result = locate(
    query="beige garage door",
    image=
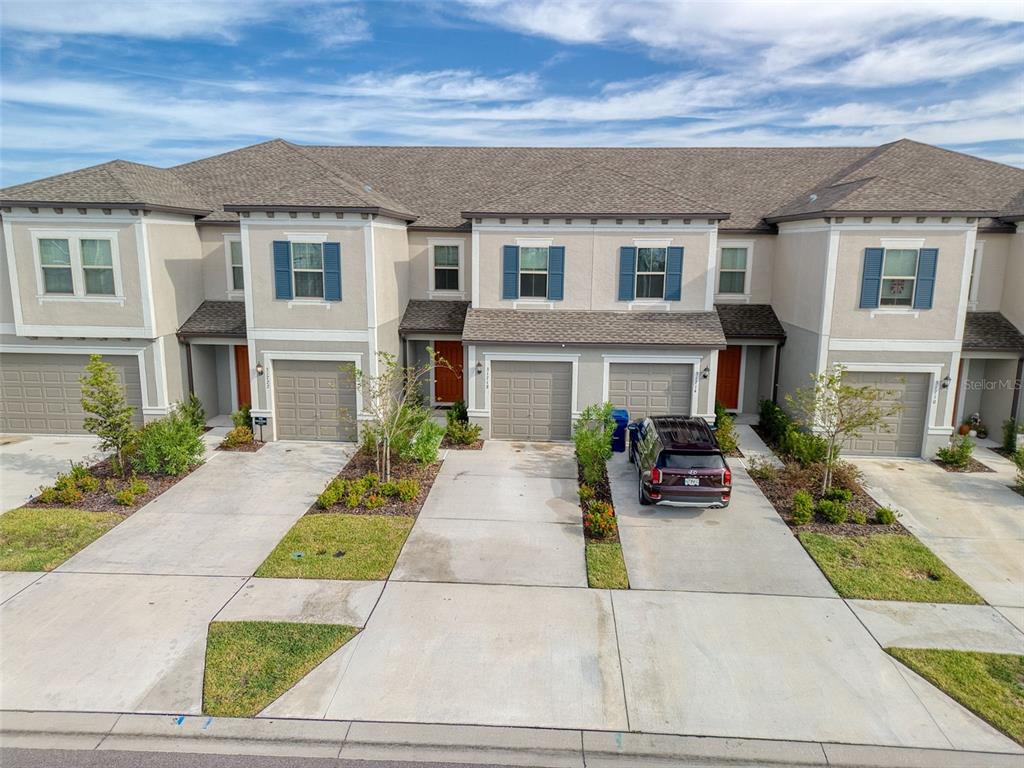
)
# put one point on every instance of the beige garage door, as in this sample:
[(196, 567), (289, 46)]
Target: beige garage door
[(531, 400), (41, 394), (906, 428), (315, 400), (650, 389)]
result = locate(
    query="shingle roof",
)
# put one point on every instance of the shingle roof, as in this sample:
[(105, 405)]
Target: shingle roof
[(751, 321), (216, 318), (432, 316), (593, 327), (117, 183), (990, 331)]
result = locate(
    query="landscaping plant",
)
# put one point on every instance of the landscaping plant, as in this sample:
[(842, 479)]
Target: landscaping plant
[(1011, 428), (108, 415), (168, 446), (425, 443), (1018, 459), (885, 516), (725, 430), (241, 417), (599, 520), (237, 437), (957, 454), (191, 408), (803, 507), (592, 436), (838, 412)]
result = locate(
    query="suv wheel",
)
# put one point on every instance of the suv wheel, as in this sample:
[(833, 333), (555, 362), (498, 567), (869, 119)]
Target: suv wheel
[(640, 487)]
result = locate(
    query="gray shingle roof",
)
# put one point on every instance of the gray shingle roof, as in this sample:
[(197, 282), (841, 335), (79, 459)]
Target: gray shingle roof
[(593, 327), (990, 331), (750, 321), (432, 316), (216, 318)]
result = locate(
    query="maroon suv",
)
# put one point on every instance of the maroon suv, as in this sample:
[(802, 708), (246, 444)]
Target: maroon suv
[(678, 460)]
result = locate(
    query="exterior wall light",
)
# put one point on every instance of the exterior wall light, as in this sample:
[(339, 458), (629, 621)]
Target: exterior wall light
[(259, 369), (946, 382), (479, 368), (705, 373)]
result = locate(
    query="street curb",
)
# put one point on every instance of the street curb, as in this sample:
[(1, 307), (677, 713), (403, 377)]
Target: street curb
[(455, 743)]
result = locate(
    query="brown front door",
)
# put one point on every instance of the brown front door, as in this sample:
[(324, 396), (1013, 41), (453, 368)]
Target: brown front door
[(448, 381), (242, 375), (728, 391)]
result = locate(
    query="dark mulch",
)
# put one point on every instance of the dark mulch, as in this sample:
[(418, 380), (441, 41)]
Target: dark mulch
[(602, 492), (475, 446), (252, 447), (361, 463), (735, 454), (101, 501), (1003, 452), (973, 465)]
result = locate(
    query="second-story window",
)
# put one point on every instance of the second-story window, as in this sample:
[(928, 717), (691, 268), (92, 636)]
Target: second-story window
[(308, 270), (899, 271), (97, 267), (237, 274), (446, 267), (533, 273), (55, 260), (650, 272), (732, 274)]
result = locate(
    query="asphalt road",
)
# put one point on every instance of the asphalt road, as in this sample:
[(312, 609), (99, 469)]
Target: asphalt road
[(65, 758)]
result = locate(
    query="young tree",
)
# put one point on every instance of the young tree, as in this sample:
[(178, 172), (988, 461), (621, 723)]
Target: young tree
[(839, 412), (109, 416)]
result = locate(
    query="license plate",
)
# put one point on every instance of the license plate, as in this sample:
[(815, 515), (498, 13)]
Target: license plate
[(691, 481)]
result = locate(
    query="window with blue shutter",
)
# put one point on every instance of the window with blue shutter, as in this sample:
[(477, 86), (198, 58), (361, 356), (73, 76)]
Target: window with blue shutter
[(926, 264), (674, 274), (332, 271), (871, 279), (282, 269), (627, 273), (510, 272), (556, 272)]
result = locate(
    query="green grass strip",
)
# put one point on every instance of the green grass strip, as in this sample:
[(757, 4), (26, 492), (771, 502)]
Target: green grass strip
[(606, 568), (40, 539)]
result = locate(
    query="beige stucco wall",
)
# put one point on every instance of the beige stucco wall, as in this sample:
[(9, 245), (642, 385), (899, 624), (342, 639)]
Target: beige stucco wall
[(391, 276), (215, 261), (760, 267), (799, 262), (6, 301), (175, 259), (1013, 280), (994, 250), (940, 322), (420, 264), (592, 266)]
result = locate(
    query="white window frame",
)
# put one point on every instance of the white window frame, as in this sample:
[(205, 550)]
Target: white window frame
[(974, 281), (637, 273), (74, 238), (546, 272), (232, 292), (913, 290), (323, 278), (433, 291), (743, 297)]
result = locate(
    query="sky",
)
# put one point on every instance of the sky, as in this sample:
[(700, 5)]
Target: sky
[(166, 82)]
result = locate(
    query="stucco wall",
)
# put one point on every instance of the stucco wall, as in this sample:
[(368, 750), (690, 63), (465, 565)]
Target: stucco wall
[(391, 270), (994, 251), (175, 259), (420, 264), (760, 267), (215, 262), (798, 277), (1013, 281), (798, 360), (6, 305)]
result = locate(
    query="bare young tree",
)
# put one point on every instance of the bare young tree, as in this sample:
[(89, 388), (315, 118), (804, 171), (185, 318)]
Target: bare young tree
[(840, 412)]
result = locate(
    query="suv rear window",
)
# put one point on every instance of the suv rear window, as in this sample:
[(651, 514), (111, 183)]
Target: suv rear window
[(669, 460)]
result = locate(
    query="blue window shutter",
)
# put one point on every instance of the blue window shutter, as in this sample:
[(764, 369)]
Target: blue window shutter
[(510, 272), (627, 273), (927, 260), (871, 280), (674, 274), (332, 271), (282, 269), (556, 272)]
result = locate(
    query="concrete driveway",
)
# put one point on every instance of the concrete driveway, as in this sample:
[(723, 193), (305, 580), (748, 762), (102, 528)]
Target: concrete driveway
[(507, 514), (745, 547), (972, 521), (29, 461)]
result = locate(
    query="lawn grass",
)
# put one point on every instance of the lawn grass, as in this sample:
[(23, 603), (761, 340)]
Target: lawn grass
[(605, 567), (249, 664), (991, 685), (40, 539), (369, 545), (886, 567)]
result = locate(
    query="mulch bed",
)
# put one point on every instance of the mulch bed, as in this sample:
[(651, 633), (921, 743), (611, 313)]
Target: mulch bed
[(252, 447), (475, 446), (1003, 452), (361, 463), (973, 465), (736, 454), (101, 501), (602, 492)]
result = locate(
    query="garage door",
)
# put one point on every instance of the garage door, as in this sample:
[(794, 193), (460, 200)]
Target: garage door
[(315, 400), (41, 394), (906, 428), (531, 400), (650, 389)]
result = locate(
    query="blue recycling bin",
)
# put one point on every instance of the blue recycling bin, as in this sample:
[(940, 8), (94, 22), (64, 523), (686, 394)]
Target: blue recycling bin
[(621, 417)]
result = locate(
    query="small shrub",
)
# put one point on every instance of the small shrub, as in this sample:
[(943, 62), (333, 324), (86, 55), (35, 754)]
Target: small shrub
[(886, 516), (79, 472), (592, 436), (803, 507), (89, 484), (457, 414), (125, 497), (762, 468), (242, 417), (168, 446), (858, 516), (599, 520), (138, 487), (371, 480), (725, 433), (191, 409), (408, 489), (1018, 460), (461, 433), (805, 448), (587, 495), (842, 495), (846, 475), (374, 501), (833, 511), (237, 437), (389, 489), (47, 494), (957, 454), (64, 481), (69, 495), (774, 421), (110, 486), (332, 494), (426, 442), (1011, 429)]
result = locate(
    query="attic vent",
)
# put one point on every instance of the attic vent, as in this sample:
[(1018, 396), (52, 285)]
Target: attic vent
[(367, 188), (813, 198)]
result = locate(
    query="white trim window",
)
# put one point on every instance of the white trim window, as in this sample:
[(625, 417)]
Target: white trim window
[(446, 265), (733, 268), (81, 265), (55, 263), (236, 271), (308, 270), (97, 267), (533, 272), (899, 277), (651, 264)]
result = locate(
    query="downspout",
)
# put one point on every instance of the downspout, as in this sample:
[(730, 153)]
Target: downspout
[(775, 373), (1015, 400), (188, 366)]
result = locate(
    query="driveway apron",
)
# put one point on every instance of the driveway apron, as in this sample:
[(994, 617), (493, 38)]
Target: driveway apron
[(507, 514), (29, 461)]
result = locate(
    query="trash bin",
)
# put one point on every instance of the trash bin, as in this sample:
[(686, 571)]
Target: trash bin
[(621, 417)]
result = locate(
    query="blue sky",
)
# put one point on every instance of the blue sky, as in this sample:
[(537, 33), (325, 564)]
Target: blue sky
[(85, 81)]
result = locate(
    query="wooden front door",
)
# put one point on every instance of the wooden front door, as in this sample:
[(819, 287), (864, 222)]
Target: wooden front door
[(242, 375), (448, 380), (728, 391)]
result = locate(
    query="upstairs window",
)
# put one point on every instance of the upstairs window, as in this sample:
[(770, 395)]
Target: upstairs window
[(55, 260), (78, 265), (235, 262), (308, 270), (533, 273), (899, 275), (732, 274), (650, 272), (446, 268), (97, 267)]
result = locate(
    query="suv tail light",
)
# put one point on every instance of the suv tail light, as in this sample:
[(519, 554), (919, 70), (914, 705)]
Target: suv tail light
[(727, 477), (655, 475)]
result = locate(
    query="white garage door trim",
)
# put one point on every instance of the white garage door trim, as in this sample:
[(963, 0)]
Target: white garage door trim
[(534, 357), (269, 357), (693, 360)]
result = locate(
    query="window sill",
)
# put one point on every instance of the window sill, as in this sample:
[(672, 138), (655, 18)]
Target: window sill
[(649, 304), (235, 294), (293, 303), (46, 298), (533, 304), (908, 312), (446, 294), (735, 298)]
